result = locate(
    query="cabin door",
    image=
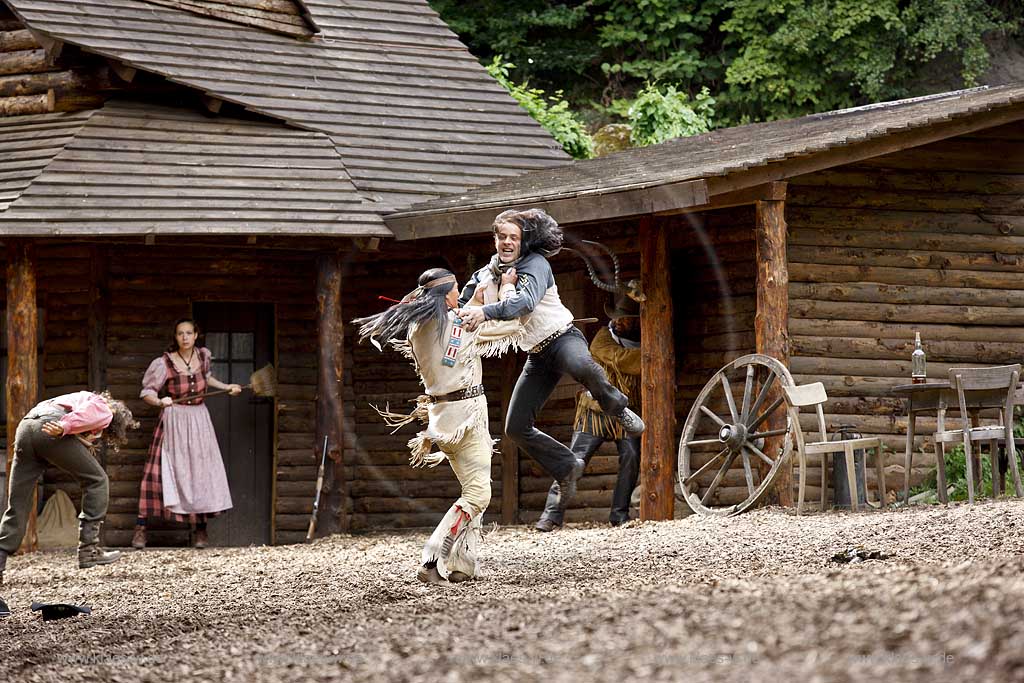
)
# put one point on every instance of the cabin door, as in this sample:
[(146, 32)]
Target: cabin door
[(241, 338)]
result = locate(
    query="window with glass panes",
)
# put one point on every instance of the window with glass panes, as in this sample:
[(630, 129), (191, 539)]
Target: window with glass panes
[(232, 356)]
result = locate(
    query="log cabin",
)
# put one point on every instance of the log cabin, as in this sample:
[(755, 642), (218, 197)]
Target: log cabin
[(824, 241), (232, 161)]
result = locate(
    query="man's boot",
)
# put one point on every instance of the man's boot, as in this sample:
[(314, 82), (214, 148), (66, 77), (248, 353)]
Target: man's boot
[(90, 553), (3, 565)]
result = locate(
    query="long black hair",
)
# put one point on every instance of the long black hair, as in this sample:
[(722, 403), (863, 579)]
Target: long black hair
[(420, 306), (541, 232)]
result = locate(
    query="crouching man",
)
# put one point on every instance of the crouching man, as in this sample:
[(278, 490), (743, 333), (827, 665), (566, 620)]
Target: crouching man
[(64, 432)]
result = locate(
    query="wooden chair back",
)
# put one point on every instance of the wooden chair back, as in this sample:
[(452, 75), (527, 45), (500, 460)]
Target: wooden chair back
[(807, 395), (987, 387)]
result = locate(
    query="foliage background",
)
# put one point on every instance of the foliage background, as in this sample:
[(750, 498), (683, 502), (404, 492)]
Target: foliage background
[(758, 59)]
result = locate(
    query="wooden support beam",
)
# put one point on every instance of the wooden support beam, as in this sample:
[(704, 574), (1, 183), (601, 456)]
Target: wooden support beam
[(771, 318), (124, 72), (22, 353), (52, 47), (775, 190), (509, 451), (212, 104), (329, 408), (369, 244), (99, 311), (658, 375)]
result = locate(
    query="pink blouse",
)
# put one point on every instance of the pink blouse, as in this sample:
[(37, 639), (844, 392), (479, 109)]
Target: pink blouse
[(157, 373), (89, 412)]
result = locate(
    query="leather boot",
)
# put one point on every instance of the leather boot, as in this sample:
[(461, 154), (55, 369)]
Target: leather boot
[(3, 565), (90, 554), (139, 538)]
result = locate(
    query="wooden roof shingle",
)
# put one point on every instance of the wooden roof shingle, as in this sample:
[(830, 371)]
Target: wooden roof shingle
[(685, 163), (131, 169), (411, 112)]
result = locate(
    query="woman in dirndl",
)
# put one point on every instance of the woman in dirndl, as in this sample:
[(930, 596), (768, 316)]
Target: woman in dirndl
[(184, 478)]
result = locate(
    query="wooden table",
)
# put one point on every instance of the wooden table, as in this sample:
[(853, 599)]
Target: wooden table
[(935, 396)]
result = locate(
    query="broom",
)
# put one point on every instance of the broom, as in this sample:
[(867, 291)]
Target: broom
[(263, 382)]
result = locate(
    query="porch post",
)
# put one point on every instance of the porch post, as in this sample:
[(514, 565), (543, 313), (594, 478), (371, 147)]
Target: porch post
[(329, 408), (771, 321), (658, 374), (22, 357)]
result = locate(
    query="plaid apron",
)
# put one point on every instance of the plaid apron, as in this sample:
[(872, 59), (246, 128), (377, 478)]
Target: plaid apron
[(151, 495)]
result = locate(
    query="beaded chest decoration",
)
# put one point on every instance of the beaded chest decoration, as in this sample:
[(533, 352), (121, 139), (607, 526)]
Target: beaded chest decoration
[(454, 343)]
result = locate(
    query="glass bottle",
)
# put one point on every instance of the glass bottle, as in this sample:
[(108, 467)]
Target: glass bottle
[(917, 361)]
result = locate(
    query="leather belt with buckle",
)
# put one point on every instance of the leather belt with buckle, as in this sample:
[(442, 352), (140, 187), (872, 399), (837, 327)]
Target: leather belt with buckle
[(461, 395), (546, 342)]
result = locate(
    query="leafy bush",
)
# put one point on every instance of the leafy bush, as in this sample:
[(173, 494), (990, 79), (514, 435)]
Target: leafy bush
[(662, 113), (550, 111)]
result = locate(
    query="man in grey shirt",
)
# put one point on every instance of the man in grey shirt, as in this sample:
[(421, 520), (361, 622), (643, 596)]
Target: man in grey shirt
[(523, 241)]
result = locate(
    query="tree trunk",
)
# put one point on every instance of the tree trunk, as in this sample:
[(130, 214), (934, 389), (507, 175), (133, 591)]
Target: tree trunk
[(658, 374), (329, 410), (771, 336), (22, 356)]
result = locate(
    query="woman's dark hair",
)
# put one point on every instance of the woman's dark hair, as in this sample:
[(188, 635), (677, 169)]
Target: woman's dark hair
[(419, 306), (541, 232), (116, 433), (173, 346)]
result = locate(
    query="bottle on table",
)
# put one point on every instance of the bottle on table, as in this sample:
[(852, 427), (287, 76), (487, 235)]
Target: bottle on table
[(917, 362)]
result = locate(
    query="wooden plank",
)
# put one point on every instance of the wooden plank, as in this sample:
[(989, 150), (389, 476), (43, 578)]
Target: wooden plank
[(771, 319), (22, 353), (657, 448), (585, 206)]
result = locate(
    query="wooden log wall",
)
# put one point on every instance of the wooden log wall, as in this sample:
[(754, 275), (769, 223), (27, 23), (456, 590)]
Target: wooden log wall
[(926, 240), (39, 79)]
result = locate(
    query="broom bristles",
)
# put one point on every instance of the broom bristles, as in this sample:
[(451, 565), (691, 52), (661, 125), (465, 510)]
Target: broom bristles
[(264, 381)]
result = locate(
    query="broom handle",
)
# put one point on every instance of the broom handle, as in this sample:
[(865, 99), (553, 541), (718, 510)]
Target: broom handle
[(208, 393)]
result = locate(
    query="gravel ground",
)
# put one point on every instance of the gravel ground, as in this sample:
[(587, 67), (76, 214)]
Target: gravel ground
[(753, 598)]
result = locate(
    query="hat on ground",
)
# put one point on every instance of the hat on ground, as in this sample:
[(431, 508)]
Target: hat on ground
[(59, 611), (5, 611), (624, 307)]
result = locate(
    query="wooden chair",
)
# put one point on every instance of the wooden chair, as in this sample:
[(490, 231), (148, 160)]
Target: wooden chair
[(979, 389), (814, 395)]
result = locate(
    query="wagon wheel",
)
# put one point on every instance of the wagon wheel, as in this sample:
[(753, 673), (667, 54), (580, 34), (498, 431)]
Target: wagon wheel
[(723, 429)]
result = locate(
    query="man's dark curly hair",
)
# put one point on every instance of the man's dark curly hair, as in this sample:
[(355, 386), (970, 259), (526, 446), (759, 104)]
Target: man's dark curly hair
[(541, 232), (116, 433)]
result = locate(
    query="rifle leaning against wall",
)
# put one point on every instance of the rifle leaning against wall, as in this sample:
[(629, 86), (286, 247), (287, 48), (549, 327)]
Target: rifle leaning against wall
[(319, 486)]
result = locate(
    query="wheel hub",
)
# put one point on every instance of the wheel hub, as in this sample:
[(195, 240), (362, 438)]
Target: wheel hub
[(733, 436)]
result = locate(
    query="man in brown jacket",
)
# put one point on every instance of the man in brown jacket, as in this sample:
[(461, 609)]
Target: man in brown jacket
[(616, 348)]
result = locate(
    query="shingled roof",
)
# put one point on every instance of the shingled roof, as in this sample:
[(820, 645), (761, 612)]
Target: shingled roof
[(410, 111), (132, 168), (680, 173)]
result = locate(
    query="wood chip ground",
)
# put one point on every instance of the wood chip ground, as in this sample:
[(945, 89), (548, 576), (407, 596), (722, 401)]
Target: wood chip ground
[(755, 598)]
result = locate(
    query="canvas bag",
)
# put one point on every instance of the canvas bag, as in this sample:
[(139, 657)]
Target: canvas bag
[(57, 526)]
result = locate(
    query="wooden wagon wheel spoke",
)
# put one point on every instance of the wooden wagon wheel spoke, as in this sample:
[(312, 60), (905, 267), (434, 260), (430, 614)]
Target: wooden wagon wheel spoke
[(707, 411), (718, 478), (761, 396), (762, 435), (748, 475), (729, 399), (759, 453), (766, 414), (705, 467), (744, 428), (704, 442), (747, 389)]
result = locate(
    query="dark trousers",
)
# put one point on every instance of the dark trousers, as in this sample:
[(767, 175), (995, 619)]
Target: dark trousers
[(569, 354), (584, 445), (33, 448)]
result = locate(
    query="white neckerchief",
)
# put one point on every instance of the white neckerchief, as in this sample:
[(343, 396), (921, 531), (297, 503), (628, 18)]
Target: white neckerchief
[(624, 343)]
